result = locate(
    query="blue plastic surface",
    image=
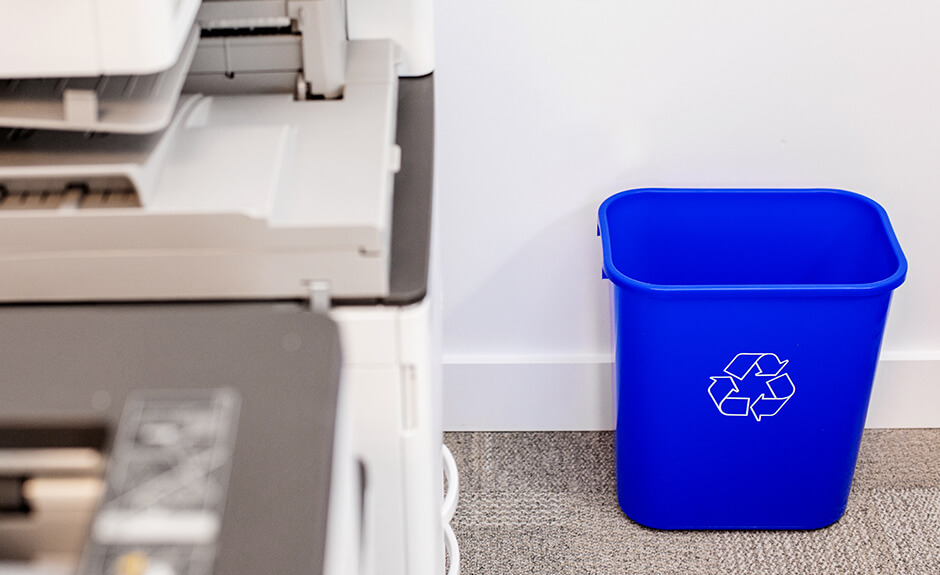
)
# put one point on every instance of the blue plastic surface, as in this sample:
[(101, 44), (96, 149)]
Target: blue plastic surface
[(747, 329)]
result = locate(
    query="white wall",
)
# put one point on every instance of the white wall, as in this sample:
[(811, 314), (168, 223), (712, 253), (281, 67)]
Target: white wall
[(546, 108)]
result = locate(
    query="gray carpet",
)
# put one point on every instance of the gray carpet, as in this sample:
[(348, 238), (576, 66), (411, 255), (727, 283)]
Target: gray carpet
[(546, 503)]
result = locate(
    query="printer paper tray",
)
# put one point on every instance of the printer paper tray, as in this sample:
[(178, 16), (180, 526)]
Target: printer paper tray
[(117, 104), (241, 197)]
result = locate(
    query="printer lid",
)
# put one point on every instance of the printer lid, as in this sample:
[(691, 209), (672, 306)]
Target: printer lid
[(69, 38)]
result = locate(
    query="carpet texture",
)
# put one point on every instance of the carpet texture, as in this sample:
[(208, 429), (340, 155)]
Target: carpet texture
[(546, 503)]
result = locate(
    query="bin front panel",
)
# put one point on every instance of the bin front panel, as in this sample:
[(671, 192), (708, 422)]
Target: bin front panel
[(737, 413)]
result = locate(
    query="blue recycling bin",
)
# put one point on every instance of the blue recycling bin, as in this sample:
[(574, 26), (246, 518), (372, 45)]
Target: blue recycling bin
[(747, 326)]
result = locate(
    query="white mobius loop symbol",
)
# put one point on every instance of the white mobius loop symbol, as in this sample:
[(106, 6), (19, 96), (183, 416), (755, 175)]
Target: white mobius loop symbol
[(776, 387)]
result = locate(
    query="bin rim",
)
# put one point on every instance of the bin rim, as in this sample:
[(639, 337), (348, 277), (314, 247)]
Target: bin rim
[(621, 280)]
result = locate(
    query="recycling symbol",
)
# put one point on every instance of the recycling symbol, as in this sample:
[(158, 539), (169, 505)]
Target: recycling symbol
[(755, 384)]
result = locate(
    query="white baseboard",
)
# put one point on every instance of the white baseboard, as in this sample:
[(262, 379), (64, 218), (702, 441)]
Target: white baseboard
[(525, 394)]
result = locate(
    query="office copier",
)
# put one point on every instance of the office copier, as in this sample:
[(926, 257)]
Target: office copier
[(219, 318)]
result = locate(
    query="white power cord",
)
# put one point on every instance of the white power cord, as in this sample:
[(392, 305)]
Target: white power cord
[(449, 508), (453, 486), (453, 550)]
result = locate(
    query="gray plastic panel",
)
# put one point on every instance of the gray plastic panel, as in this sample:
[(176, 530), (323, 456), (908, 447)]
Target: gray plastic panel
[(67, 364), (414, 192)]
